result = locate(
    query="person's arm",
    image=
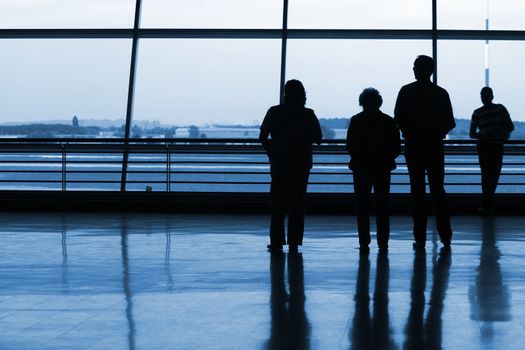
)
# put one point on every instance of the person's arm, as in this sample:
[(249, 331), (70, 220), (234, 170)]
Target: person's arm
[(349, 138), (396, 142), (265, 132), (508, 124), (317, 136), (474, 133), (448, 115), (401, 112)]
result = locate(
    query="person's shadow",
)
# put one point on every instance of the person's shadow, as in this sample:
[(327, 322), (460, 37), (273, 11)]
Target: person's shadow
[(489, 298), (421, 332), (372, 332), (290, 328)]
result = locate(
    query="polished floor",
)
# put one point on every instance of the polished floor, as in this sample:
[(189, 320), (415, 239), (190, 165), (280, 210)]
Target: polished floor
[(113, 281)]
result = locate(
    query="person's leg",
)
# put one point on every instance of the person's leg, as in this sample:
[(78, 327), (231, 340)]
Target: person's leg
[(362, 188), (416, 171), (436, 182), (298, 186), (278, 197), (495, 158), (382, 194)]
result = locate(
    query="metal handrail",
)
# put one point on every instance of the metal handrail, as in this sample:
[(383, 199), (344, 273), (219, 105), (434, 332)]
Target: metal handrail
[(70, 162)]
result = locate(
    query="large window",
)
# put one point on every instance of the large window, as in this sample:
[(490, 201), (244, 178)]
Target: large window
[(53, 81), (471, 14), (66, 13), (505, 74), (211, 68), (212, 13), (358, 14), (335, 72), (222, 62), (206, 82)]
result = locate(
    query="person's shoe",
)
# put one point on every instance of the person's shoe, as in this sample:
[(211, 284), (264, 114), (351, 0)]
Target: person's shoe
[(364, 249), (274, 247), (293, 248), (418, 245), (383, 246)]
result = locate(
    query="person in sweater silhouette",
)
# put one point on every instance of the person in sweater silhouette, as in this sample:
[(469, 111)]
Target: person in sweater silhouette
[(491, 126), (373, 144)]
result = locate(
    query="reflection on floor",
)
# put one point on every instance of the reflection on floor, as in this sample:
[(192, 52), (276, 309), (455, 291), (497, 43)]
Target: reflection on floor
[(206, 282)]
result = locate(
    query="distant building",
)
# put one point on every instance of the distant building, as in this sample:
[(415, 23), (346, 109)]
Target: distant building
[(75, 122)]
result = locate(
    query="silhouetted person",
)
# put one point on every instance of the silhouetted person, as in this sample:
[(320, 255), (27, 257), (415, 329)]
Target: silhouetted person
[(421, 332), (491, 126), (423, 113), (289, 325), (293, 129), (489, 298), (373, 144), (372, 332)]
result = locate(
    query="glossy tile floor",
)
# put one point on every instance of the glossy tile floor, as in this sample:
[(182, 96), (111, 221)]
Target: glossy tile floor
[(115, 281)]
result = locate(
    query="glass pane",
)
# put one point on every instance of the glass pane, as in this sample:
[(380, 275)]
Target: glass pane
[(506, 76), (334, 72), (62, 88), (467, 57), (206, 83), (471, 14), (203, 89), (67, 14), (355, 14), (73, 83), (212, 14)]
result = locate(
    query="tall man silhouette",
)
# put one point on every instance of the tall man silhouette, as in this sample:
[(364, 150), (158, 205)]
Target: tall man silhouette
[(424, 115), (293, 128)]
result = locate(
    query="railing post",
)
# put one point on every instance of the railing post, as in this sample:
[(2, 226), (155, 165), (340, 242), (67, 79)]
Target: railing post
[(64, 167), (168, 168)]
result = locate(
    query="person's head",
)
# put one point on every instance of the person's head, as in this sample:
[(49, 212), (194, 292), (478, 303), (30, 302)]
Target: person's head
[(294, 92), (370, 99), (486, 95), (423, 67)]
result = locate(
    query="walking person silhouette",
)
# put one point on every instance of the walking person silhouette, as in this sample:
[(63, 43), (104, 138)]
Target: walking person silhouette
[(287, 134), (491, 126), (373, 144), (424, 115)]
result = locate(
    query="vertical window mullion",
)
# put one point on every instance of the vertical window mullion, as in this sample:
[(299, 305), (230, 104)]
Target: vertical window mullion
[(284, 39), (434, 40), (131, 89)]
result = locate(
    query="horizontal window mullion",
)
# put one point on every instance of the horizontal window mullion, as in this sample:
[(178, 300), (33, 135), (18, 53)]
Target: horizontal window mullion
[(481, 34), (66, 33), (261, 34)]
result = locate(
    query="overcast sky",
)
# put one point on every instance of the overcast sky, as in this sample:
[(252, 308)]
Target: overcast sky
[(183, 81)]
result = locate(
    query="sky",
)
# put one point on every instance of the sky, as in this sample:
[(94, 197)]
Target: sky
[(234, 81)]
